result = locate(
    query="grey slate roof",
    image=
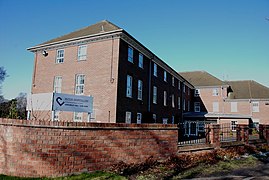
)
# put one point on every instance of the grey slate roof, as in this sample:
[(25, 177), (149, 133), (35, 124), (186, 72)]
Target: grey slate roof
[(201, 78), (248, 90), (100, 27)]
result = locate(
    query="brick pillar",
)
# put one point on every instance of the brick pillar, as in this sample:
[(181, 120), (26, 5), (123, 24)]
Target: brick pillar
[(261, 131), (243, 133), (266, 133), (213, 131)]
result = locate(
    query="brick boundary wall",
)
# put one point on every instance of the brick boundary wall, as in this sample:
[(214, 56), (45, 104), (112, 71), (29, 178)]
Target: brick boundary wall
[(44, 148)]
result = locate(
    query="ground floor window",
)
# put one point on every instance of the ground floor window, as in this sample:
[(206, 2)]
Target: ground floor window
[(139, 118), (233, 125), (78, 116), (128, 117)]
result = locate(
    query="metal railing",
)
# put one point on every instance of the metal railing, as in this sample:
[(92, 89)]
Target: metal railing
[(228, 132), (192, 132)]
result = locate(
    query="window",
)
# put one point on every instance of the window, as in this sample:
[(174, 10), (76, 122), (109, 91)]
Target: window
[(178, 85), (129, 86), (78, 116), (140, 90), (173, 81), (184, 88), (128, 117), (184, 104), (201, 126), (56, 115), (178, 102), (165, 98), (173, 100), (215, 106), (154, 117), (196, 106), (255, 107), (130, 54), (196, 92), (165, 120), (233, 106), (155, 69), (82, 52), (164, 76), (154, 94), (80, 80), (215, 92), (140, 61), (233, 125), (57, 85), (193, 129), (173, 119), (188, 105), (139, 118), (60, 56)]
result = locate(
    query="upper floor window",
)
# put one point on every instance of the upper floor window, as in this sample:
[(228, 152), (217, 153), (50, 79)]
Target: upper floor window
[(130, 54), (57, 85), (233, 125), (140, 60), (215, 92), (82, 52), (80, 83), (233, 106), (173, 81), (178, 102), (179, 85), (196, 106), (184, 88), (173, 100), (129, 86), (255, 107), (140, 90), (60, 56), (184, 104), (154, 95), (155, 69), (164, 98), (196, 92), (164, 76)]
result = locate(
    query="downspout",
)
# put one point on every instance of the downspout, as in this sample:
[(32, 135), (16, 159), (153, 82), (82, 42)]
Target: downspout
[(149, 85), (111, 62), (34, 75)]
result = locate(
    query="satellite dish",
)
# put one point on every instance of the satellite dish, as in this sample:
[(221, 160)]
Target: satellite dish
[(45, 53)]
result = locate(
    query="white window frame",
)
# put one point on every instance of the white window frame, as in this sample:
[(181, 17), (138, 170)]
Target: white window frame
[(197, 107), (154, 117), (255, 106), (178, 102), (184, 104), (233, 125), (128, 117), (173, 100), (141, 61), (130, 54), (139, 118), (196, 92), (82, 53), (179, 87), (184, 88), (155, 70), (234, 107), (215, 106), (139, 89), (165, 120), (154, 99), (57, 84), (129, 86), (215, 92), (78, 116), (164, 98), (165, 76), (173, 119), (79, 84), (173, 81), (59, 56)]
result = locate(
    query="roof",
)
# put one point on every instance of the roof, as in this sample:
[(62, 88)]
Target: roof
[(201, 78), (248, 89), (100, 27)]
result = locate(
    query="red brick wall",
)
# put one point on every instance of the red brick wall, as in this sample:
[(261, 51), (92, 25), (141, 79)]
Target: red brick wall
[(36, 149)]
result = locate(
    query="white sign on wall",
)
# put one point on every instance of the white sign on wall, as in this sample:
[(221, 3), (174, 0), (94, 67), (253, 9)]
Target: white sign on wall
[(73, 103)]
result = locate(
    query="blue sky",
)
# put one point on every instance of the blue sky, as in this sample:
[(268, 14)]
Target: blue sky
[(228, 38)]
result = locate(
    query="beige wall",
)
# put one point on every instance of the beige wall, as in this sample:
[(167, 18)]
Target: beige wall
[(97, 70)]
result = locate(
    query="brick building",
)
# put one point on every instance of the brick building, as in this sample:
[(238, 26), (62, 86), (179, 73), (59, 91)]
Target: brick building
[(128, 82), (227, 101)]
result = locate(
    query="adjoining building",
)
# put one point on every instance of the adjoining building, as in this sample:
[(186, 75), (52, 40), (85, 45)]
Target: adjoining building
[(128, 82), (227, 101)]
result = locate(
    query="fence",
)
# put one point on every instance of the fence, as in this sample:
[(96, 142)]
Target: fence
[(228, 132)]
